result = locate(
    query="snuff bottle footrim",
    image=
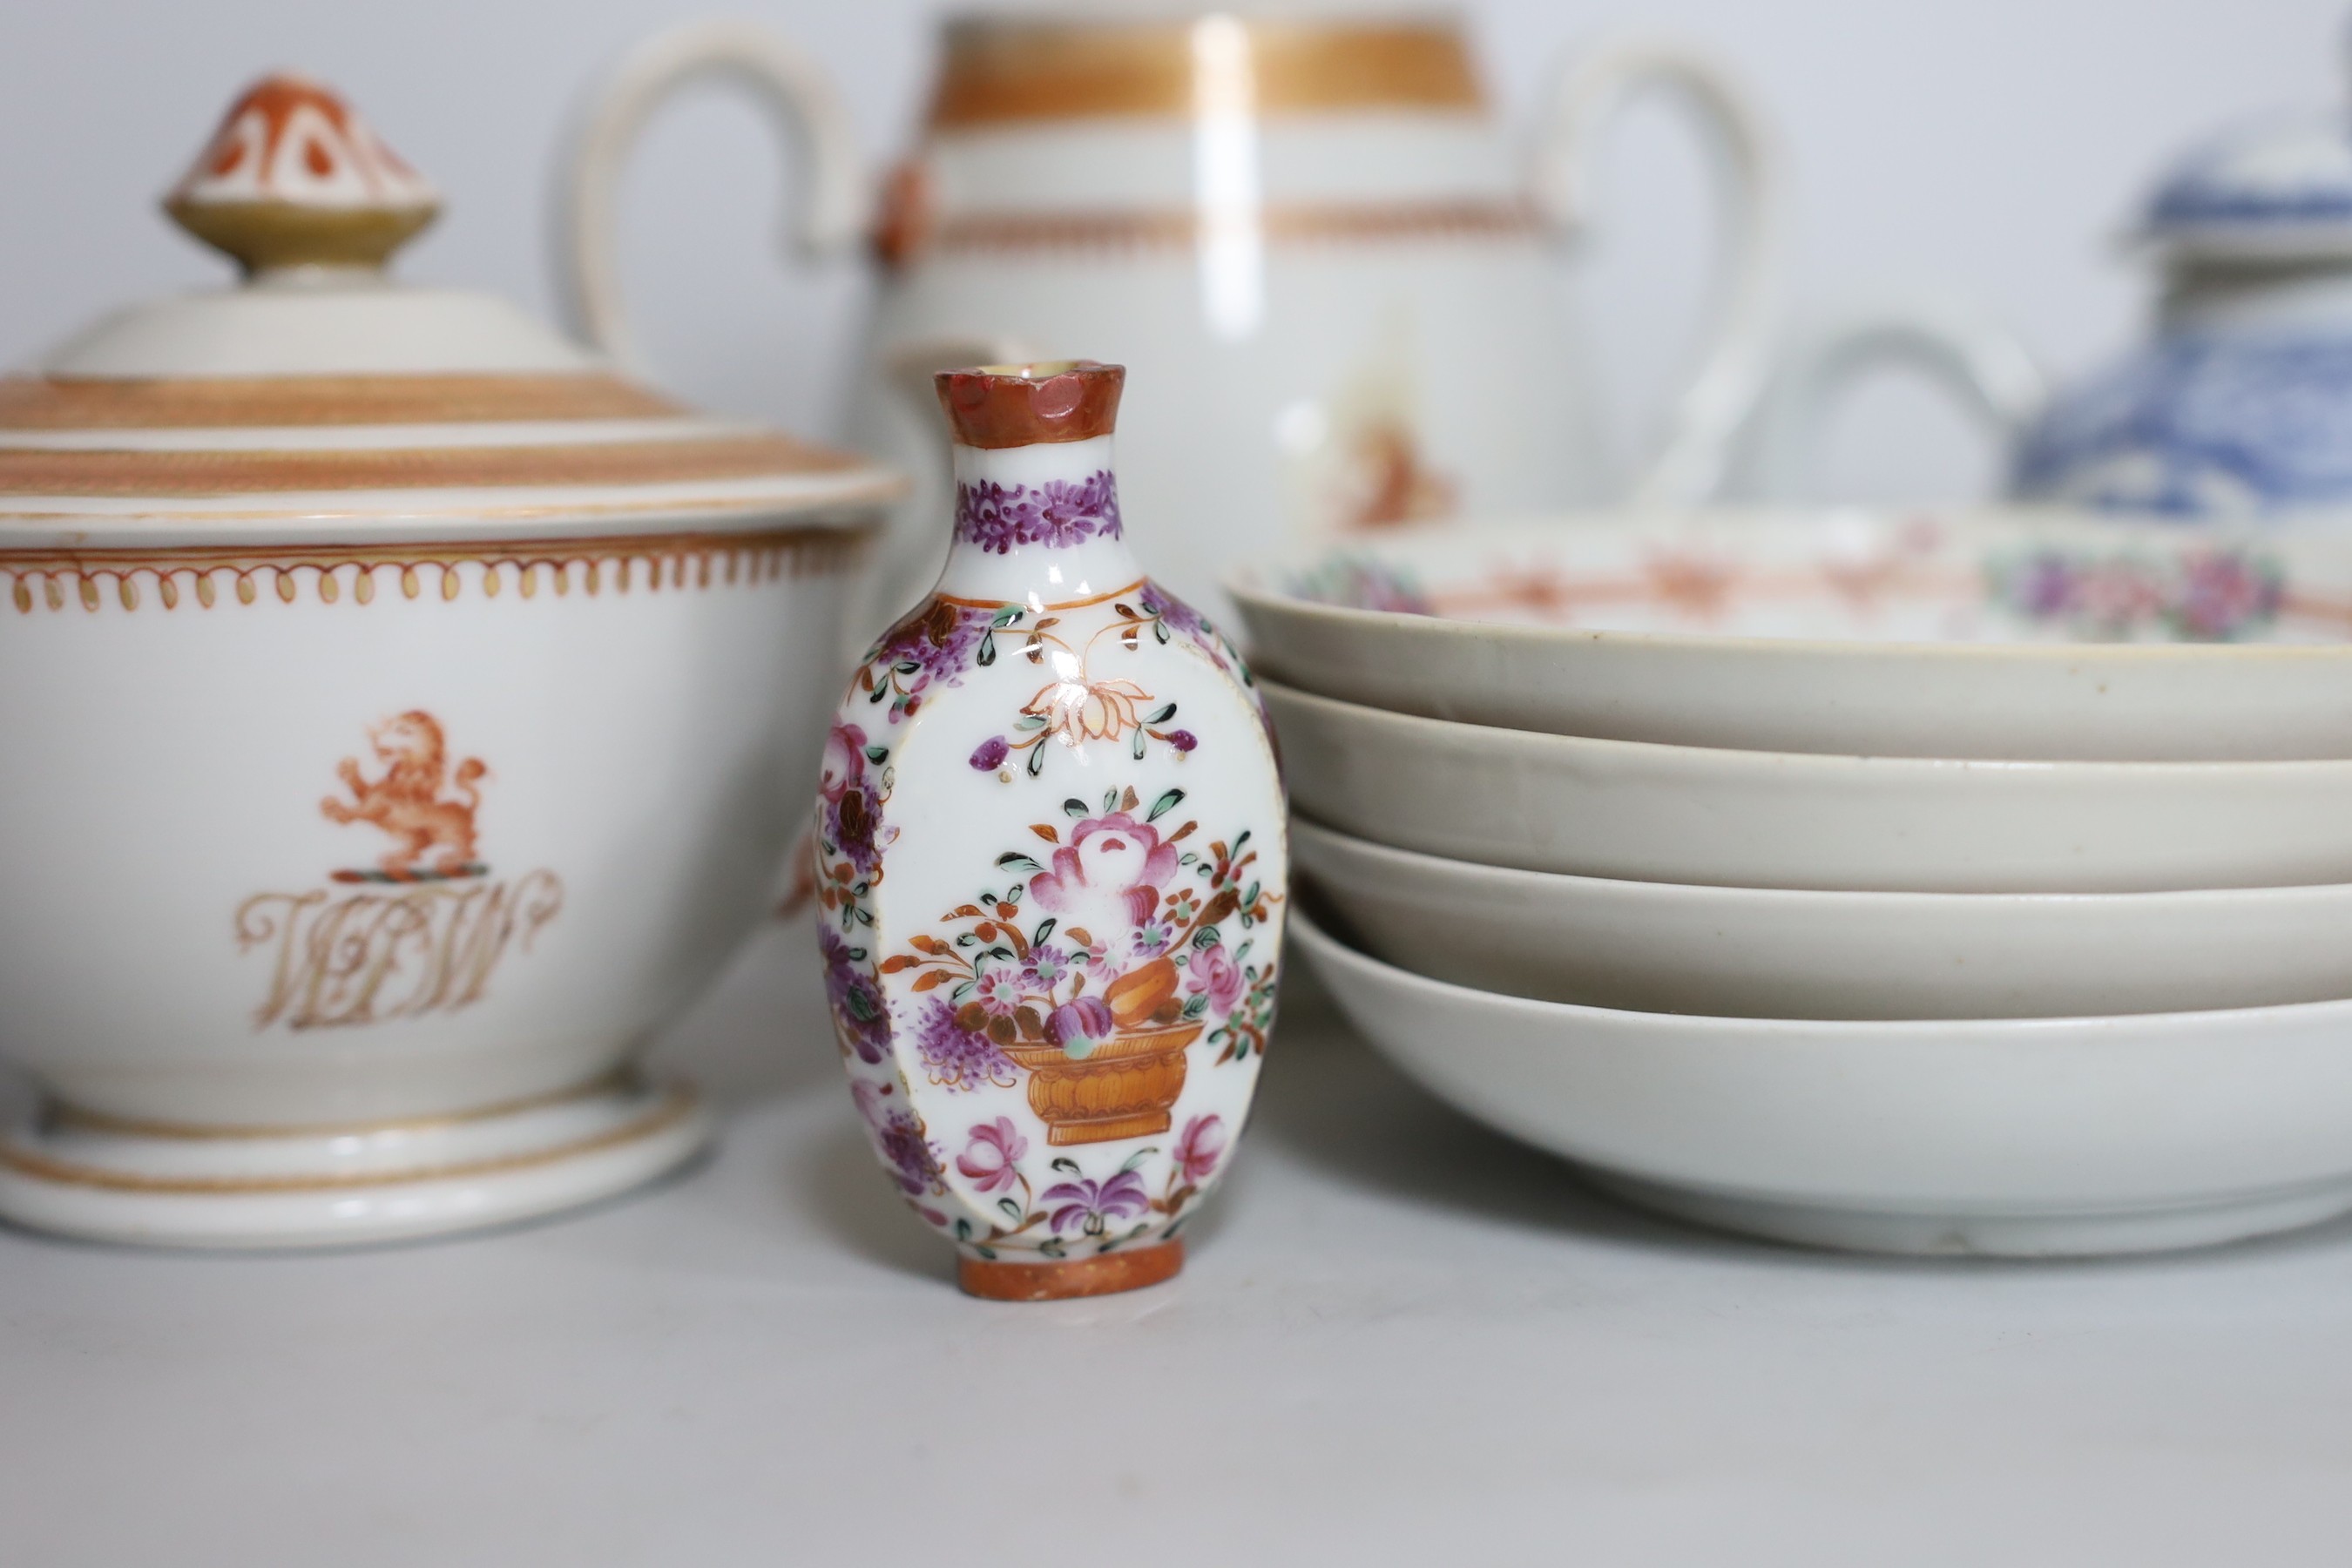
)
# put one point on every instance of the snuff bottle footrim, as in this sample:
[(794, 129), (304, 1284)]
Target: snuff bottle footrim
[(1105, 1274)]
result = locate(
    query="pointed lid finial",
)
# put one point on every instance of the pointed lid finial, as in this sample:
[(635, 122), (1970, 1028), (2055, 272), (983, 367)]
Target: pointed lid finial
[(294, 177)]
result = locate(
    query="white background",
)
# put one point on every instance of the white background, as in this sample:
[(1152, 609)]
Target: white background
[(1992, 148)]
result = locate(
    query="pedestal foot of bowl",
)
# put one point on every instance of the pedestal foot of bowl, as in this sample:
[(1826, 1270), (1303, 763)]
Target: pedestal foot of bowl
[(107, 1179), (1105, 1274), (2086, 1233)]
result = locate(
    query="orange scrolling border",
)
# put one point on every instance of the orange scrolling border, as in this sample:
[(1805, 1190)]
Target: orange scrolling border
[(57, 578)]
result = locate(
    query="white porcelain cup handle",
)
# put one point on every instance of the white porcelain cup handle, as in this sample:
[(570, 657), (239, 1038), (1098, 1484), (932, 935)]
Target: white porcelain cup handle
[(828, 215), (1586, 93), (1988, 372)]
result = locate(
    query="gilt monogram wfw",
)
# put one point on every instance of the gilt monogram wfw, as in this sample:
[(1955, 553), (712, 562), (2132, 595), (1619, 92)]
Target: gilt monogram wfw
[(429, 925), (407, 714)]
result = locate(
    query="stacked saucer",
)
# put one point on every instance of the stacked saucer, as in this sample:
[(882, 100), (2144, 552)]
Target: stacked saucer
[(1962, 883)]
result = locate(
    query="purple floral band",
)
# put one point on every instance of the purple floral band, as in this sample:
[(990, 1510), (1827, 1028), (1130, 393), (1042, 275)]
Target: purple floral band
[(1059, 513)]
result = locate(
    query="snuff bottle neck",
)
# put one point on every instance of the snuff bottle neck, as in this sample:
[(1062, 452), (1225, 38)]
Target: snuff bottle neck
[(1037, 525), (1036, 510)]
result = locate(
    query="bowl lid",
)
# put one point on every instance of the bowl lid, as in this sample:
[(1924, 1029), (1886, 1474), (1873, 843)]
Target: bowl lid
[(319, 389), (2275, 188)]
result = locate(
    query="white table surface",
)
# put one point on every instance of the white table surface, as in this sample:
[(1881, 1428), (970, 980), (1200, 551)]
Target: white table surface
[(1399, 1339)]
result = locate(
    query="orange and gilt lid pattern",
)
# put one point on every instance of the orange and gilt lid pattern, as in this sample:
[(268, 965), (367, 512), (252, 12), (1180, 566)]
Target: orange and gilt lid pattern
[(300, 189), (295, 176)]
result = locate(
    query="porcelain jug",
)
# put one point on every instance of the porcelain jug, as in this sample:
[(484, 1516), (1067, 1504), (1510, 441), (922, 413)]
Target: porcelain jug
[(1355, 303), (2240, 403)]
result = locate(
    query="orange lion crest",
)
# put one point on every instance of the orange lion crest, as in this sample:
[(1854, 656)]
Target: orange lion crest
[(409, 801)]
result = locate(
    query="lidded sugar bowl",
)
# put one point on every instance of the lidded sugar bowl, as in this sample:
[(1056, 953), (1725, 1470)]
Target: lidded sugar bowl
[(405, 715)]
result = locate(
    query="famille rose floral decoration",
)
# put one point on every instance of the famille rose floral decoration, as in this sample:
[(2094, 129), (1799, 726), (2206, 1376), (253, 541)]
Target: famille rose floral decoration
[(1051, 869)]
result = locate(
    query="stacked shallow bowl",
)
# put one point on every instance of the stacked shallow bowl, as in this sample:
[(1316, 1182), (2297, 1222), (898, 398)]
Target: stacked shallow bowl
[(1905, 883)]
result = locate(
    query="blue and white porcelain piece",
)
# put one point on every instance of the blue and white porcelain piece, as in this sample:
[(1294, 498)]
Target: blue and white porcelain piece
[(2203, 424), (2282, 183), (2240, 404)]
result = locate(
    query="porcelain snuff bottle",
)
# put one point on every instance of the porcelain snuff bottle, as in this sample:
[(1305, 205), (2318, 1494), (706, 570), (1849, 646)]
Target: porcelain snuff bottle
[(1051, 868)]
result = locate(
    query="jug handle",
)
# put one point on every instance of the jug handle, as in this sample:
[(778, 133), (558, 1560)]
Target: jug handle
[(1588, 91), (828, 217), (1978, 362)]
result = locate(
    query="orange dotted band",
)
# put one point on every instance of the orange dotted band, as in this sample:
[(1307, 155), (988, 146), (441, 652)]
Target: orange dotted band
[(90, 579)]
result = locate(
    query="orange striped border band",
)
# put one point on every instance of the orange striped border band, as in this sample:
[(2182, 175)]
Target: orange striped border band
[(93, 403), (1001, 71)]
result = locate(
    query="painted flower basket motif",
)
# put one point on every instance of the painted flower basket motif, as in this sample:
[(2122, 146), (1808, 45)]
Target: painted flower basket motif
[(1050, 866), (1126, 1088)]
